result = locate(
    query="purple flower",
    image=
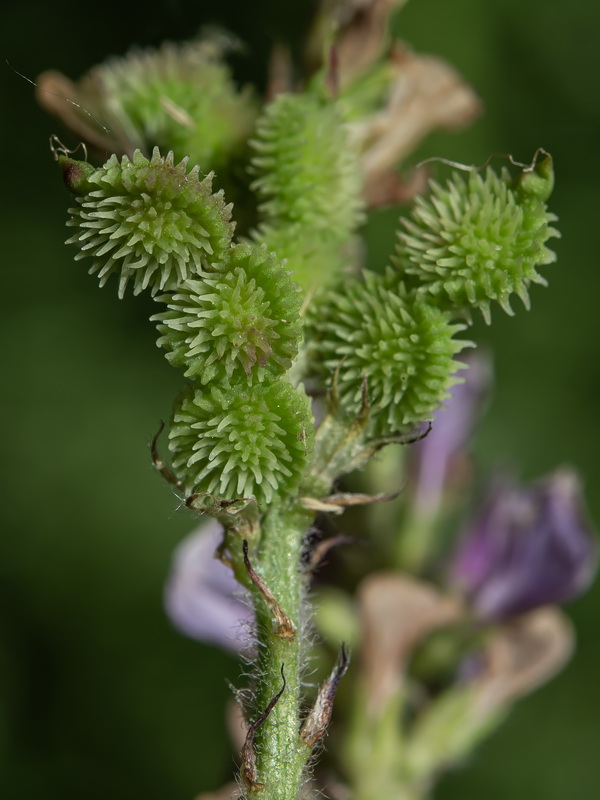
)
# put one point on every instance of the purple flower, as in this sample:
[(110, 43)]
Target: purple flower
[(434, 458), (202, 598), (529, 547)]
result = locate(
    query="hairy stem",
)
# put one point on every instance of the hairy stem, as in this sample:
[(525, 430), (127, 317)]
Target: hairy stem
[(280, 753)]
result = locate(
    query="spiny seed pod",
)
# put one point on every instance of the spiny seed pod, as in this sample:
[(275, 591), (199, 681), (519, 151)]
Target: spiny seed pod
[(403, 346), (308, 170), (239, 323), (314, 261), (179, 97), (480, 239), (150, 221), (235, 442)]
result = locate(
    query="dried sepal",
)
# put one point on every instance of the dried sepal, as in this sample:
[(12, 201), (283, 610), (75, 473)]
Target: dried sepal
[(317, 722), (283, 627), (150, 221), (241, 322), (480, 239), (403, 347), (242, 442), (397, 612), (425, 94), (361, 35)]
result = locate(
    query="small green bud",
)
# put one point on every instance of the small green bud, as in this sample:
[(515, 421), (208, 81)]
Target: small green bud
[(235, 442), (150, 221), (403, 346), (242, 323), (479, 239), (536, 183), (76, 174)]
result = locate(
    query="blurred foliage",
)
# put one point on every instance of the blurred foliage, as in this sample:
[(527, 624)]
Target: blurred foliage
[(99, 697)]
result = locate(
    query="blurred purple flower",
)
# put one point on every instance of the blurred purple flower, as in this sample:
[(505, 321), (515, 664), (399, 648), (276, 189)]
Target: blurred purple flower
[(529, 547), (432, 460), (202, 598)]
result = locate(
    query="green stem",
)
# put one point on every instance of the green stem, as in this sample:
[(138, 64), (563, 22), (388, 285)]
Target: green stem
[(340, 448), (374, 749), (281, 755), (416, 542)]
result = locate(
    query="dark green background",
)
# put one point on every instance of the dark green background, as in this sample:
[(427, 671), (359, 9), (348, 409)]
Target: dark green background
[(100, 698)]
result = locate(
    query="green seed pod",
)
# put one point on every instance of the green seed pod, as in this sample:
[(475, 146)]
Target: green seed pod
[(480, 239), (403, 346), (235, 442), (313, 261), (308, 169), (179, 97), (150, 221), (241, 323)]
